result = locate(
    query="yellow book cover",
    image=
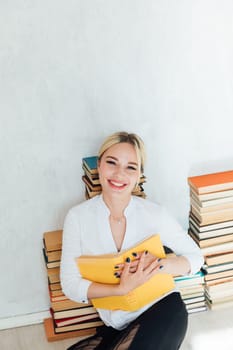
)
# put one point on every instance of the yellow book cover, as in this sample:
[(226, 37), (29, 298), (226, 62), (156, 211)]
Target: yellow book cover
[(100, 268)]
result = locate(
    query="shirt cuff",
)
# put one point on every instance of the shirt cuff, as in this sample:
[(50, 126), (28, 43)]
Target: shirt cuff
[(82, 290)]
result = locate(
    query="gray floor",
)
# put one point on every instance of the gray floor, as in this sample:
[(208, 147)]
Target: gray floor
[(210, 330)]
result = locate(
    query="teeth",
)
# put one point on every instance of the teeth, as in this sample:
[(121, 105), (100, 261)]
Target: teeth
[(117, 184)]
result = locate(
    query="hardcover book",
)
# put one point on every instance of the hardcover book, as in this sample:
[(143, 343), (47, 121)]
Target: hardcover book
[(219, 258), (205, 233), (52, 336), (78, 326), (209, 242), (214, 201), (91, 163), (73, 320), (211, 196), (213, 216), (100, 268), (79, 311), (53, 240), (212, 182)]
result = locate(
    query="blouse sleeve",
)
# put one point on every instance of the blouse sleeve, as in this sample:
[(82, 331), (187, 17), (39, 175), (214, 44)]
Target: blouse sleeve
[(73, 285), (176, 238)]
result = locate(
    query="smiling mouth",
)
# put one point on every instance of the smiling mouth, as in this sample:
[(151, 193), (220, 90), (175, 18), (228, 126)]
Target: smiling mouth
[(117, 185)]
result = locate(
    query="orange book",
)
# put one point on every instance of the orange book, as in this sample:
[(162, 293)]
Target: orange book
[(66, 304), (54, 275), (212, 182), (53, 240), (100, 268)]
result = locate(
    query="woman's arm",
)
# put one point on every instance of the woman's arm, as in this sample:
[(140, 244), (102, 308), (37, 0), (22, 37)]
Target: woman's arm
[(128, 280), (73, 285), (82, 290), (176, 265), (189, 258)]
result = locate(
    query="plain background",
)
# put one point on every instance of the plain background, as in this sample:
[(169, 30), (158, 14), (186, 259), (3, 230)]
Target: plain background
[(71, 73)]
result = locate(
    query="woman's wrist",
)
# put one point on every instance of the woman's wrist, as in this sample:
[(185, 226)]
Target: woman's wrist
[(175, 265)]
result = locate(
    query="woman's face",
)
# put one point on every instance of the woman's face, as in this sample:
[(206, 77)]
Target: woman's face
[(119, 170)]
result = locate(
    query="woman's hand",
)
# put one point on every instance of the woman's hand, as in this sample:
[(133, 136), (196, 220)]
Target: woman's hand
[(138, 272), (147, 260), (132, 274)]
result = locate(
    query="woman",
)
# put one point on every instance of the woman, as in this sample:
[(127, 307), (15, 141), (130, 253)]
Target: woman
[(114, 221)]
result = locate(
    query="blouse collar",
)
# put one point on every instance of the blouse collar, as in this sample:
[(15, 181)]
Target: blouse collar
[(126, 211)]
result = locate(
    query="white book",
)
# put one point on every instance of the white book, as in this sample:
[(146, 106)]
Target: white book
[(218, 268), (210, 227), (212, 233)]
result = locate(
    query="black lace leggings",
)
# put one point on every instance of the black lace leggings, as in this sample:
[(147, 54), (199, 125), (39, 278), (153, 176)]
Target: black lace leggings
[(162, 327)]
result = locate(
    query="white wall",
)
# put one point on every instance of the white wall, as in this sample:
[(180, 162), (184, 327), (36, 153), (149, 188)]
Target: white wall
[(73, 72)]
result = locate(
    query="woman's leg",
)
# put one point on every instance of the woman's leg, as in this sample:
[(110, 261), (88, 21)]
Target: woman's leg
[(100, 341), (163, 326)]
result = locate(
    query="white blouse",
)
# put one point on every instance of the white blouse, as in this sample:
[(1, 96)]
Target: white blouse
[(87, 231)]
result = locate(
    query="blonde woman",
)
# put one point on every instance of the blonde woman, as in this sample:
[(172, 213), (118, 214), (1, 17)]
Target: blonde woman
[(114, 221)]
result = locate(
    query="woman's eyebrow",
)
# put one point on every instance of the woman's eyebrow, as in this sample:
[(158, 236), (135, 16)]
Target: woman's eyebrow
[(111, 157), (133, 163)]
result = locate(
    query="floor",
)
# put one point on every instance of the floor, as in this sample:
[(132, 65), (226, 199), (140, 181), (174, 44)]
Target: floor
[(207, 330)]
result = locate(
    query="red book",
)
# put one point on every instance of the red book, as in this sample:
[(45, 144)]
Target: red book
[(75, 319)]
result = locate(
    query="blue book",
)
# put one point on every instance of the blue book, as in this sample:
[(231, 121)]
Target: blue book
[(90, 163), (189, 277)]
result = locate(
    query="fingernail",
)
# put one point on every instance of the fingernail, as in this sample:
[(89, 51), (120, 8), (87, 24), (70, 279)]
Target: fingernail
[(127, 260), (161, 267), (116, 267), (134, 254), (146, 252)]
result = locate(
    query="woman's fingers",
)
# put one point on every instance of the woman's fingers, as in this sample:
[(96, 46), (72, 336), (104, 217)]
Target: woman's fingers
[(141, 263), (126, 268), (141, 273)]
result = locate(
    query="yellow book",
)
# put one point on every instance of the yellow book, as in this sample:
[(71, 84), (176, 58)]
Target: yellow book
[(100, 268)]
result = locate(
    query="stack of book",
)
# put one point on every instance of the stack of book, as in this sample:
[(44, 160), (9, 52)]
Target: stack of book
[(68, 318), (191, 288), (92, 183), (211, 227)]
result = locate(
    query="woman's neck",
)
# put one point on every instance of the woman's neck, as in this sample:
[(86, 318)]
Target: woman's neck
[(116, 205)]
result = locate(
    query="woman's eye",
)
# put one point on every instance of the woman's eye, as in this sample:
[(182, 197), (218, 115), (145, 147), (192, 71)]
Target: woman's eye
[(110, 162), (132, 168)]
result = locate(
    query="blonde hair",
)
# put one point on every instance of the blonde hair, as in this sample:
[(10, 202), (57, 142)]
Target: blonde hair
[(124, 137)]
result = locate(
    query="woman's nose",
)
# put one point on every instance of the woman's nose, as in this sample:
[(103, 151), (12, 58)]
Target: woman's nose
[(119, 171)]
